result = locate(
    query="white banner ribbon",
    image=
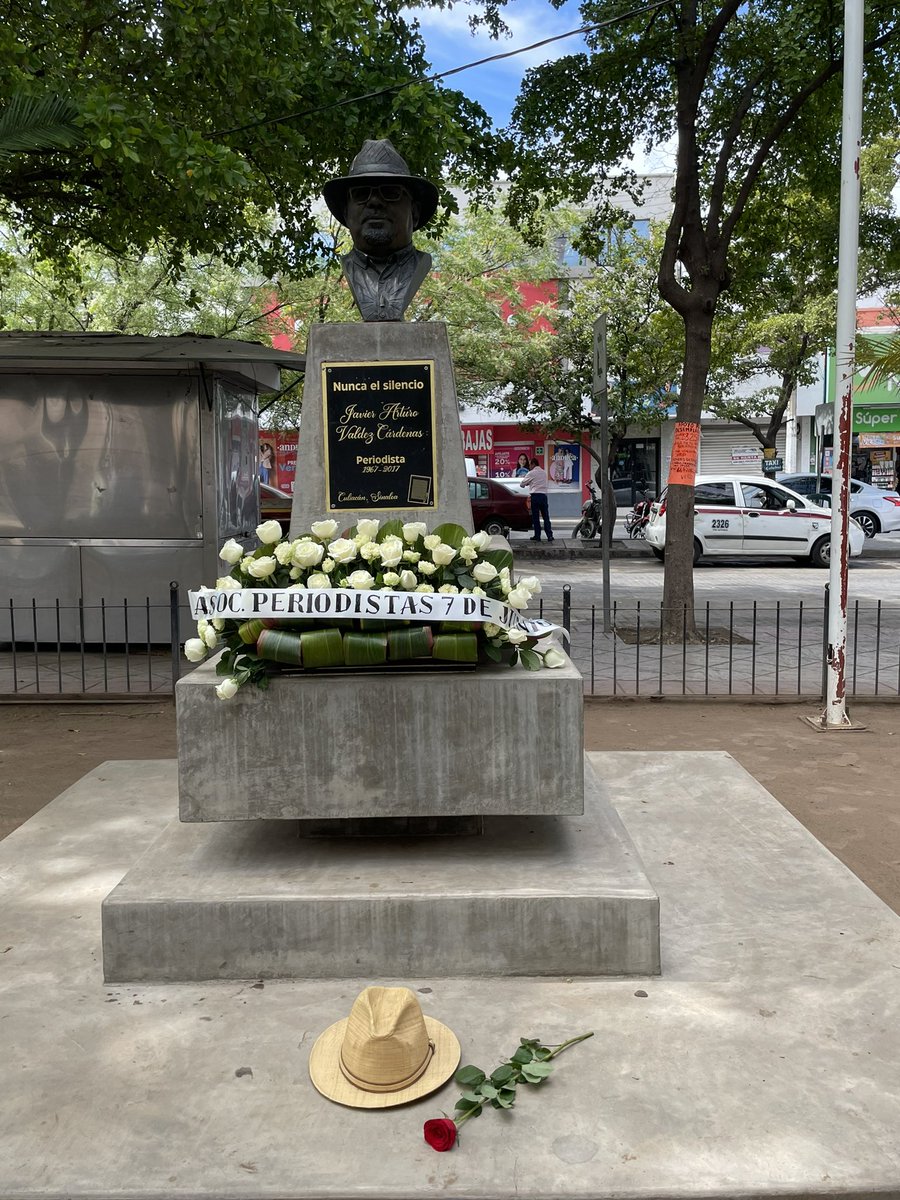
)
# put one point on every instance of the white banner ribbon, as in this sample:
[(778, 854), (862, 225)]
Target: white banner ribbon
[(324, 604)]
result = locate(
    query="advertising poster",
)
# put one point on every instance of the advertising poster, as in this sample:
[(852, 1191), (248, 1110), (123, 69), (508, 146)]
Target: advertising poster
[(563, 468), (278, 458), (511, 462)]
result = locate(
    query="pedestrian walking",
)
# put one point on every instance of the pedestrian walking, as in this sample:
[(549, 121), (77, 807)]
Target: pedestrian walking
[(538, 487)]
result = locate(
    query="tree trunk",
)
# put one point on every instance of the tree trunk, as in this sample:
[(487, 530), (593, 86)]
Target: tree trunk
[(678, 587)]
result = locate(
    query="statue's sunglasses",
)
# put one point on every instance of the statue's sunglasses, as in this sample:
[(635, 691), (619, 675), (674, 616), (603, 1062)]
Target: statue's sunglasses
[(390, 193)]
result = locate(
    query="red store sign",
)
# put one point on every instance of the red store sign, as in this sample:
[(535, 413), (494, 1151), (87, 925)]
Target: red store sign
[(478, 439)]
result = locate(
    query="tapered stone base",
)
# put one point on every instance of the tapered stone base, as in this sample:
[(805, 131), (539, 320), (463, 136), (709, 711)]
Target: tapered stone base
[(545, 895)]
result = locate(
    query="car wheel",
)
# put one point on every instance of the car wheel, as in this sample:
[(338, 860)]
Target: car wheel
[(494, 526), (868, 521), (820, 555), (698, 551), (658, 554)]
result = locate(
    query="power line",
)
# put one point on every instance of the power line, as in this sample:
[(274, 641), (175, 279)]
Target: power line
[(397, 87)]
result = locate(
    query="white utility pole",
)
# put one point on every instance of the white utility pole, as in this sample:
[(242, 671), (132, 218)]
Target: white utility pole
[(835, 715)]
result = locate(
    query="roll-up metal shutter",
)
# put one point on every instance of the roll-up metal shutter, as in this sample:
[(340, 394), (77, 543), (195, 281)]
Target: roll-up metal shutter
[(717, 442)]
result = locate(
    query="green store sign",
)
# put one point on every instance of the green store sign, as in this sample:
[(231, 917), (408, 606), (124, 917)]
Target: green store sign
[(876, 408)]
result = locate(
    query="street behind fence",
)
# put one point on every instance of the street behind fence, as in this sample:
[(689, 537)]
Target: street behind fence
[(736, 648)]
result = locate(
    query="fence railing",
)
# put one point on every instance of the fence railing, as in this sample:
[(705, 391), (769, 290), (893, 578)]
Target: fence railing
[(737, 648), (84, 650)]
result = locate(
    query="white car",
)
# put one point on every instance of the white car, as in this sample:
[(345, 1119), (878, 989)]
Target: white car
[(875, 509), (746, 514)]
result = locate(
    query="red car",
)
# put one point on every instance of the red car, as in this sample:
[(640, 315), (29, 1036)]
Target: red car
[(497, 508)]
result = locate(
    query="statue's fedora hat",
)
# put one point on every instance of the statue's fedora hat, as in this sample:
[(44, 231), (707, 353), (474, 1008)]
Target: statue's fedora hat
[(379, 163), (386, 1052)]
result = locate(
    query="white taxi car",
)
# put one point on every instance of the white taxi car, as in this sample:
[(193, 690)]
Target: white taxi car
[(746, 514)]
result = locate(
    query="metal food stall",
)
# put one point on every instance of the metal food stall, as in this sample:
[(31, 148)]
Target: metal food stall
[(125, 462)]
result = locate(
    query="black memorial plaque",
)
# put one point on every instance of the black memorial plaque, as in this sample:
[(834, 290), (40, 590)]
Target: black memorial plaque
[(379, 435)]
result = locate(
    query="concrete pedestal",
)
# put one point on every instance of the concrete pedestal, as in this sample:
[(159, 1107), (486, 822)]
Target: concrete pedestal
[(535, 896), (396, 744)]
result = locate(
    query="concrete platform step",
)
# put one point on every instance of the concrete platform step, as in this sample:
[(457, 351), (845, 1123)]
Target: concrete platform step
[(531, 896)]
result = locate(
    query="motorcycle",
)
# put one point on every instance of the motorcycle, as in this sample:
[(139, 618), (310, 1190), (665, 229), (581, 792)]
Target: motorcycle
[(639, 518), (591, 516)]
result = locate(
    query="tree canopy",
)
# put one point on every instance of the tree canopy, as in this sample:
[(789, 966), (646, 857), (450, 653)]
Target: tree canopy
[(179, 105), (750, 94)]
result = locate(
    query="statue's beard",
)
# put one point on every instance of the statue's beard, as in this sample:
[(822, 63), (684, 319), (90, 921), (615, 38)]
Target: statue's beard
[(378, 240)]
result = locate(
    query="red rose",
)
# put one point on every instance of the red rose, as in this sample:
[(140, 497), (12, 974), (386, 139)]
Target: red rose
[(440, 1133)]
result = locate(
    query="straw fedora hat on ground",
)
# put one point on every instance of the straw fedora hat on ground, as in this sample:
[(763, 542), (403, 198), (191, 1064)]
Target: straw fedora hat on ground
[(385, 1053)]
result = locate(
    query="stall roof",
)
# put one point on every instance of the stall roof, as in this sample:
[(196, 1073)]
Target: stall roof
[(108, 347)]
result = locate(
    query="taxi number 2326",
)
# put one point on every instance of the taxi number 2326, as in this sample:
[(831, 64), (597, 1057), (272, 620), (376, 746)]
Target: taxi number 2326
[(720, 523)]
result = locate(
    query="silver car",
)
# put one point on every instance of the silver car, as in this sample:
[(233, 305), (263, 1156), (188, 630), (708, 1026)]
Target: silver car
[(876, 510)]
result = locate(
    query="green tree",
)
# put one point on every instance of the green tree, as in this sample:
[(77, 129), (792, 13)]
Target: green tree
[(751, 95), (179, 108)]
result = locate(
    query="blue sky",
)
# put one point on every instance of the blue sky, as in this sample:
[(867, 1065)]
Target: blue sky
[(450, 43)]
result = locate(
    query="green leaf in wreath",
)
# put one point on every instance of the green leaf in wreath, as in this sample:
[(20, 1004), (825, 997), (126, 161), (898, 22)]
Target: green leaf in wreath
[(464, 579), (500, 558), (530, 660), (452, 535), (392, 528), (469, 1077), (492, 651)]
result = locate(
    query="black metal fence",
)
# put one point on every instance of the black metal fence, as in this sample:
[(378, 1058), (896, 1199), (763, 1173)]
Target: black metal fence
[(731, 648)]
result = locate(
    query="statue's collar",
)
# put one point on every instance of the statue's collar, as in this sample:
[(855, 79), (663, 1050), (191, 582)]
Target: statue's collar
[(380, 264)]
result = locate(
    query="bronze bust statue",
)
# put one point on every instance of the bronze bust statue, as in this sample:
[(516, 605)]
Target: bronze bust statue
[(381, 204)]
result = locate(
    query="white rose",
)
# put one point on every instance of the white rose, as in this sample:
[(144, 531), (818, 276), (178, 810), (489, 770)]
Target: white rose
[(449, 589), (532, 583), (431, 541), (484, 572), (295, 572), (324, 529), (408, 580), (427, 568), (211, 638), (232, 552), (425, 587), (218, 623), (505, 586), (227, 584), (227, 688), (504, 572), (343, 550), (411, 556), (367, 528), (328, 565), (195, 650), (307, 553), (262, 568), (269, 533), (554, 658), (490, 630), (202, 626), (391, 551), (443, 554), (245, 563), (480, 540), (391, 579), (477, 591), (318, 580), (283, 552), (468, 553), (516, 636), (518, 598), (413, 530), (370, 551), (360, 580)]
